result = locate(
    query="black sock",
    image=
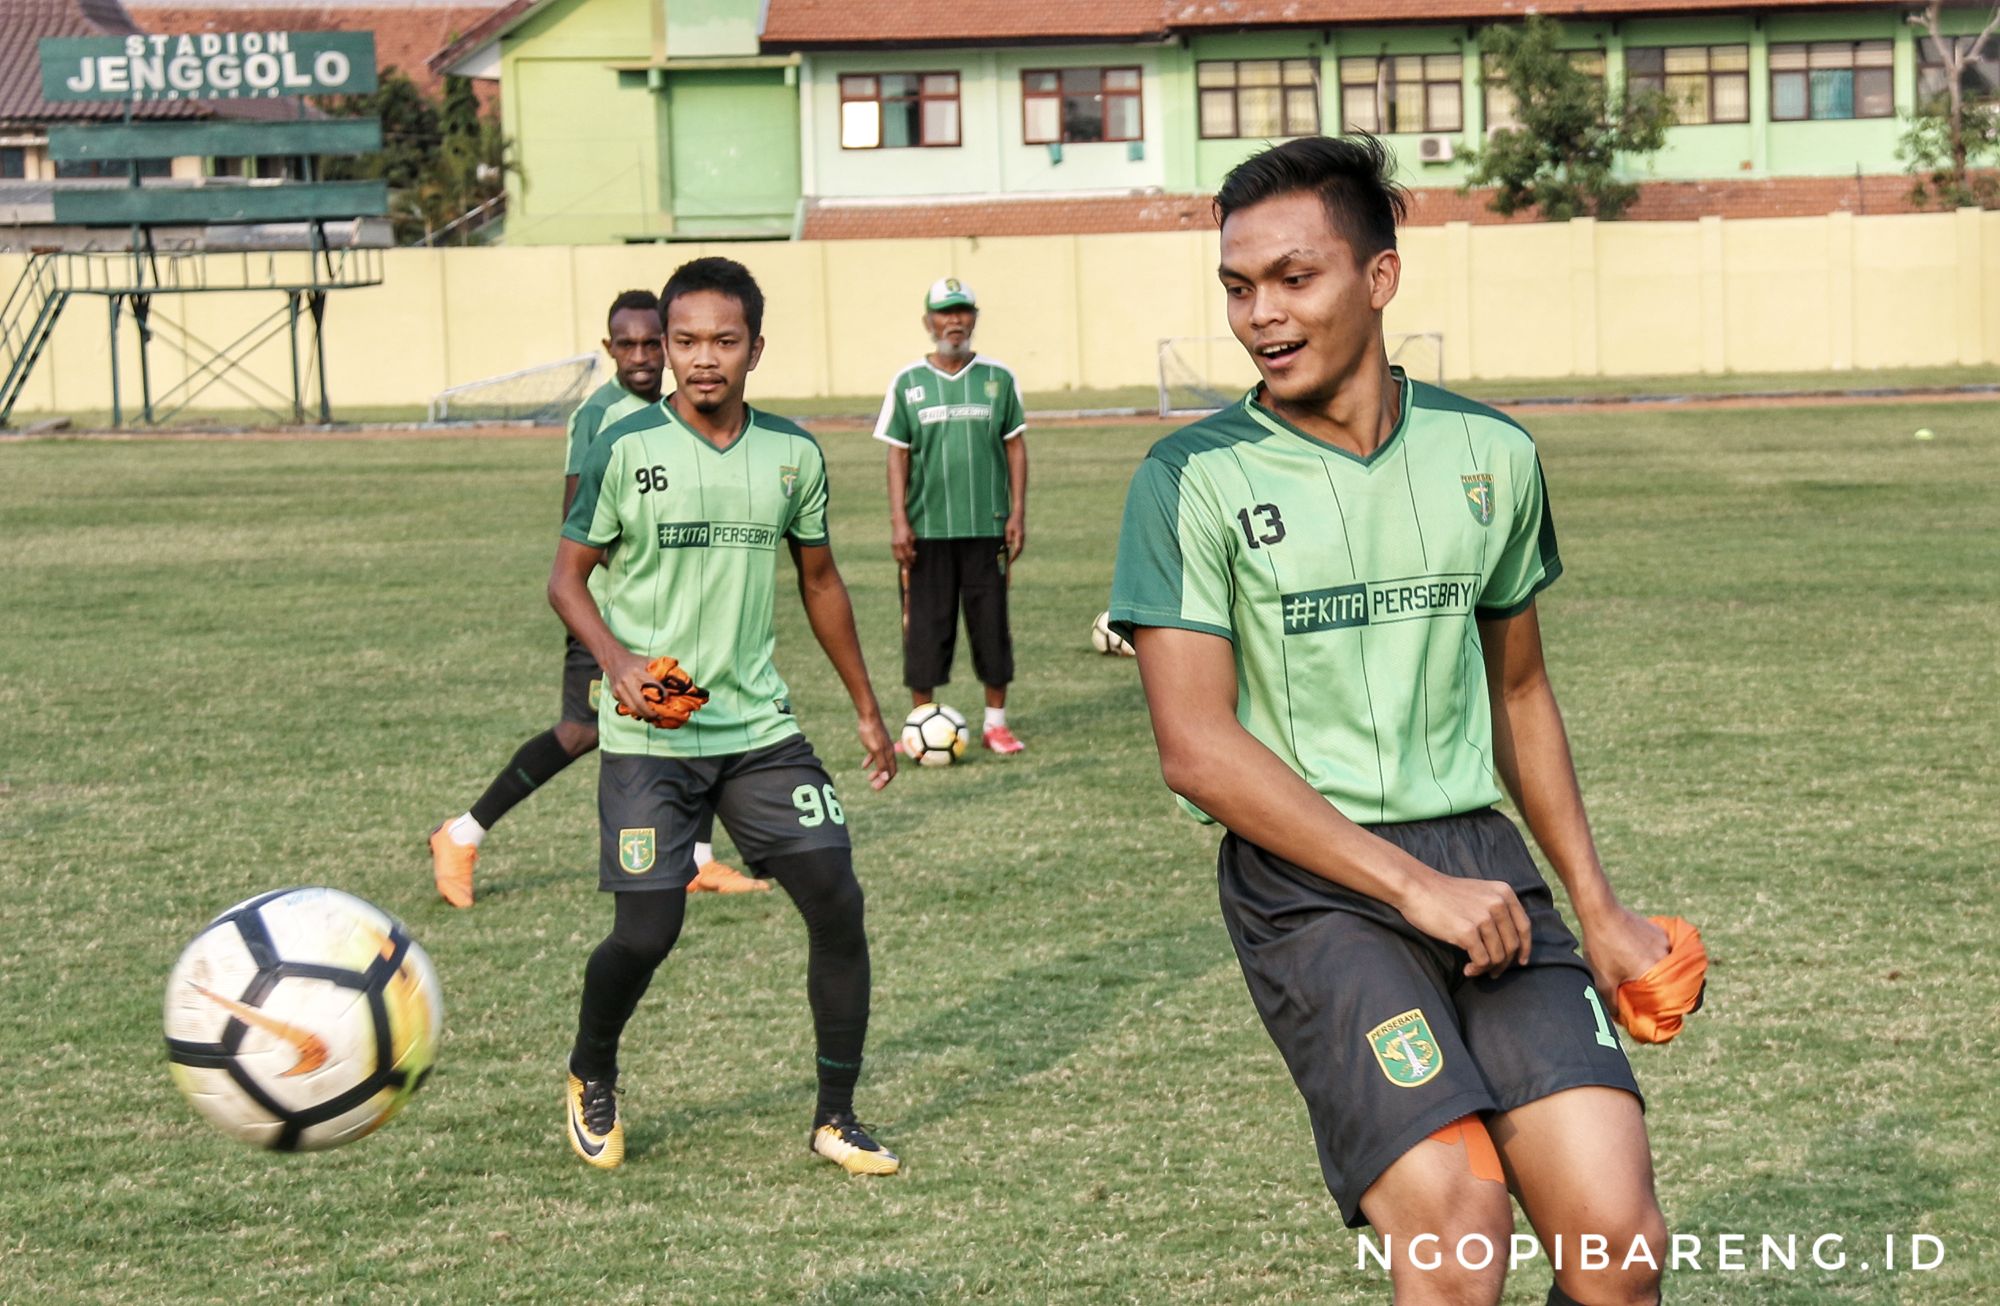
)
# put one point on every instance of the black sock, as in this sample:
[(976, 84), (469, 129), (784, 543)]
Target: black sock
[(822, 886), (618, 973), (533, 765)]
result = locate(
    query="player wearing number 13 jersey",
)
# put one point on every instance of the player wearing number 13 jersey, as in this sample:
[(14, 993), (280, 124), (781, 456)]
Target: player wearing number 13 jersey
[(1331, 587), (687, 503)]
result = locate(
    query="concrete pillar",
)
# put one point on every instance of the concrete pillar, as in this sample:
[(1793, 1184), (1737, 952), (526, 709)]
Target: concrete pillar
[(1840, 291), (1458, 352), (1583, 297), (1714, 329), (1970, 307)]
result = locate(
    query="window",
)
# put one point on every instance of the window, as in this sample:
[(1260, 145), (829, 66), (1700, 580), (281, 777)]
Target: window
[(13, 163), (1080, 104), (1704, 83), (113, 168), (1402, 93), (1500, 103), (1980, 81), (1258, 98), (1832, 79), (894, 110)]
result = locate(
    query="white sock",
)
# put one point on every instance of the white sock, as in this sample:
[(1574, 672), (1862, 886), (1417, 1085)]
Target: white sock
[(467, 831), (704, 853), (996, 716)]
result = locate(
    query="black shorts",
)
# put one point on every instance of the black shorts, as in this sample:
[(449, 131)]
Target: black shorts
[(1386, 1038), (651, 810), (948, 575), (582, 682)]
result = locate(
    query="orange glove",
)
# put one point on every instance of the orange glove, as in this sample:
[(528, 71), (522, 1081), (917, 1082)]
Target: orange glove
[(1652, 1007), (671, 698)]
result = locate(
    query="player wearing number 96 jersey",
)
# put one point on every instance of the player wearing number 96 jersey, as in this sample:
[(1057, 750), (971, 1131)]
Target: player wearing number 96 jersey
[(686, 503), (1331, 586)]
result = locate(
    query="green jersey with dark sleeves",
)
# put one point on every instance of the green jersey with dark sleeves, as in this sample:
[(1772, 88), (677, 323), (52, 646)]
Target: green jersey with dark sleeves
[(956, 427), (1350, 587), (692, 534), (608, 405)]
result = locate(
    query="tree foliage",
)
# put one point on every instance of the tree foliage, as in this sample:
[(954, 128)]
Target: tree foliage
[(442, 158), (1573, 128), (1951, 133)]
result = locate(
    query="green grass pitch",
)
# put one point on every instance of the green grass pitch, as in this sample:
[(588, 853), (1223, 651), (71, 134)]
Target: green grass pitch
[(232, 665)]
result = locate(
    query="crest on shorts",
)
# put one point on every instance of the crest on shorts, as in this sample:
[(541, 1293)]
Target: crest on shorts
[(596, 692), (1479, 496), (789, 478), (635, 851), (1406, 1050)]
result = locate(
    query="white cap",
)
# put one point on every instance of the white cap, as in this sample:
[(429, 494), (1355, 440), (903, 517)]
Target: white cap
[(950, 292)]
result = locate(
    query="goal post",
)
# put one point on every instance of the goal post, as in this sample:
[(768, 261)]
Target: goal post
[(543, 395), (1199, 374)]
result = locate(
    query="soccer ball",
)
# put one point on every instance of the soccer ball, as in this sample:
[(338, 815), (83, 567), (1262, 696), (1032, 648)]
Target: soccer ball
[(302, 1019), (935, 735), (1106, 640)]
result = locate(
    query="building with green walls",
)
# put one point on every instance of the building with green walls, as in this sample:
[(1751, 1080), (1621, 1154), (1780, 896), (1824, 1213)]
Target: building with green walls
[(640, 120), (705, 119)]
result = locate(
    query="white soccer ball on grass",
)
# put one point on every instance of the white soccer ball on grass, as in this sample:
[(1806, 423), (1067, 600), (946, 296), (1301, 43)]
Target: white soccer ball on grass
[(302, 1019), (935, 735), (1108, 641)]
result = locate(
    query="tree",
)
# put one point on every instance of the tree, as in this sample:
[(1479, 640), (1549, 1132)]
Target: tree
[(441, 160), (1560, 160), (1949, 131)]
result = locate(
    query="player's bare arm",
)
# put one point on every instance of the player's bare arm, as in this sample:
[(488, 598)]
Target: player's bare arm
[(1208, 758), (902, 539), (569, 595), (831, 614), (1531, 752), (1017, 490)]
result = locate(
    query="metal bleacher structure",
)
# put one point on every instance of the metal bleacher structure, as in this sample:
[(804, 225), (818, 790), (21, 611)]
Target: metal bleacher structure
[(218, 237)]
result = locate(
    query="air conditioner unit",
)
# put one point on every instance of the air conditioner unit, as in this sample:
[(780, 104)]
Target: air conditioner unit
[(1434, 149)]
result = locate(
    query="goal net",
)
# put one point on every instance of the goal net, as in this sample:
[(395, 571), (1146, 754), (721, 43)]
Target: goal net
[(536, 396), (1199, 374)]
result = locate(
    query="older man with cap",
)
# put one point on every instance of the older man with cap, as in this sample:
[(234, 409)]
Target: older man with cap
[(958, 504)]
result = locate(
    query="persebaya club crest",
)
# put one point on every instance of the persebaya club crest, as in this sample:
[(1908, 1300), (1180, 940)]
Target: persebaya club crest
[(1406, 1050), (635, 851), (789, 478), (1479, 496)]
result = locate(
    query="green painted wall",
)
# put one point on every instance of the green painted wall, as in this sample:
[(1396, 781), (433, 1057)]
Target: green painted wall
[(586, 139), (610, 155), (734, 146)]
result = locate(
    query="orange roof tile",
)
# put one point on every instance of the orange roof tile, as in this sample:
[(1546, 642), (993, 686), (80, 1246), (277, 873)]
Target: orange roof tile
[(405, 34)]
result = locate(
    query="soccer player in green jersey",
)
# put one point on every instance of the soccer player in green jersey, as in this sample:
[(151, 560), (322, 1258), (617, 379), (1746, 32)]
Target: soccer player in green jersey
[(1331, 586), (958, 504), (685, 502), (632, 339)]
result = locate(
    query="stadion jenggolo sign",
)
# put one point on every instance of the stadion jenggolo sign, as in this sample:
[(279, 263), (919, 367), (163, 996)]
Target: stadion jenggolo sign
[(208, 66)]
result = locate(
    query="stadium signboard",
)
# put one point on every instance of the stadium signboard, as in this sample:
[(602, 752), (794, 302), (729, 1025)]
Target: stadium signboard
[(207, 66)]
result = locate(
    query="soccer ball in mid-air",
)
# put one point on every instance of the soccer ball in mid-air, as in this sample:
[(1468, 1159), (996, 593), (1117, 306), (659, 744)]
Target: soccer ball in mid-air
[(302, 1019), (935, 735), (1107, 641)]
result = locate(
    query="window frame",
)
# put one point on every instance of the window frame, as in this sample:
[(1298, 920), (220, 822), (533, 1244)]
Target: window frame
[(1491, 81), (1853, 67), (920, 99), (1709, 75), (1062, 137), (1235, 91), (1990, 59), (1378, 85)]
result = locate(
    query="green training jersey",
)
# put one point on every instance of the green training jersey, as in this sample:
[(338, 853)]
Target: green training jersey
[(956, 427), (692, 534), (1350, 587), (609, 404)]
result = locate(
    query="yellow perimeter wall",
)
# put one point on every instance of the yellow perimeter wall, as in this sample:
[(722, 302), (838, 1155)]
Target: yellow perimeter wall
[(1576, 299)]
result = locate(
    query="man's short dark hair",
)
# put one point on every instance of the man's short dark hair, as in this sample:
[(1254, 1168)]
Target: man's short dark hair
[(1354, 177), (643, 300), (724, 276)]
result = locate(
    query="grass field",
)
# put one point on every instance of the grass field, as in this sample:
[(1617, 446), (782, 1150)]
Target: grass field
[(227, 666)]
